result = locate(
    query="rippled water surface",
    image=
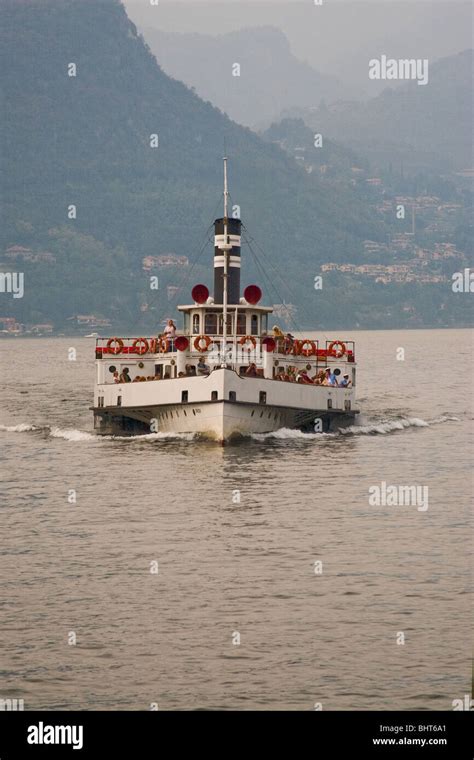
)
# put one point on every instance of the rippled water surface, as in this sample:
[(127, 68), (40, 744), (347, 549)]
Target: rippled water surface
[(248, 568)]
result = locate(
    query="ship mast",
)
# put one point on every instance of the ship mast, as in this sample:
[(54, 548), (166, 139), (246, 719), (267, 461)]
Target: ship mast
[(226, 248)]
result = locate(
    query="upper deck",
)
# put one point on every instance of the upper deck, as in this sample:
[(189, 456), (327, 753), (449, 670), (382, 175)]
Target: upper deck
[(273, 357)]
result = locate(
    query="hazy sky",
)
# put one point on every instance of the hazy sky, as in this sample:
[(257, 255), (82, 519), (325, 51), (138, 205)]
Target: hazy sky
[(338, 37)]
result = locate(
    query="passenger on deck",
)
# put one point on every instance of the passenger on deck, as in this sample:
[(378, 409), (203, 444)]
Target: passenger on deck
[(190, 370), (303, 377), (345, 382), (330, 378), (170, 334), (202, 367), (125, 376), (318, 379), (181, 374), (116, 377), (251, 370)]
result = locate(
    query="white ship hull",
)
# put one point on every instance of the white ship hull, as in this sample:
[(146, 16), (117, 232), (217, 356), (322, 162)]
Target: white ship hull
[(157, 407)]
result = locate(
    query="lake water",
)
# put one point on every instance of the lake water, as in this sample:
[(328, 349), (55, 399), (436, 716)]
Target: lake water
[(326, 633)]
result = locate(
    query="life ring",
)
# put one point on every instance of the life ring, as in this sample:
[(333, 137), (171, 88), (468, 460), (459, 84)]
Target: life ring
[(311, 351), (337, 354), (162, 345), (118, 348), (247, 339), (140, 346), (197, 343)]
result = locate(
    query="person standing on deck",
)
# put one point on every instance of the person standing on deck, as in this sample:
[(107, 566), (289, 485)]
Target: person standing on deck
[(170, 334)]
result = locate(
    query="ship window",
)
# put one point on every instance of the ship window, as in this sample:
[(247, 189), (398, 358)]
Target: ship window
[(329, 403), (184, 397), (196, 324), (253, 412), (229, 324), (194, 412), (347, 405), (254, 324), (262, 397), (241, 324), (261, 414), (214, 396), (119, 400), (232, 396), (159, 370), (210, 323), (185, 413)]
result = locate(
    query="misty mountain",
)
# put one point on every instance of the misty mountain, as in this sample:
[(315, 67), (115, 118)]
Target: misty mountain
[(417, 127), (271, 77), (84, 102)]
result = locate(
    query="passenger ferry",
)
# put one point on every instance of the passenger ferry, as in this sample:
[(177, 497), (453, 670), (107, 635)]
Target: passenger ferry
[(226, 373)]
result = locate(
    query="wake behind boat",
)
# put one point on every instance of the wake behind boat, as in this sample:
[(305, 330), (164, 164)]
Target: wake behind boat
[(224, 375)]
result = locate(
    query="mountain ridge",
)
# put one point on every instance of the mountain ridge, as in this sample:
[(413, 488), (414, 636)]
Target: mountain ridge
[(270, 72), (413, 120)]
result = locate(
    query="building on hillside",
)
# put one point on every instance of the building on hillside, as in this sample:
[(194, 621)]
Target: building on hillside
[(11, 326), (26, 254), (90, 320), (43, 329), (284, 311), (164, 261)]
